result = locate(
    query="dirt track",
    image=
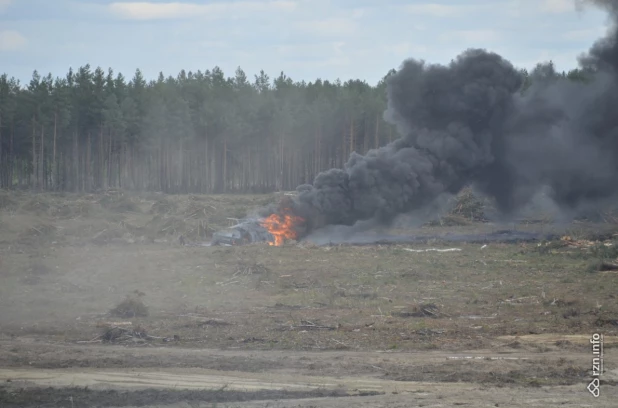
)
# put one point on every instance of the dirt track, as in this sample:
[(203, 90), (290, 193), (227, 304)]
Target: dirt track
[(401, 394), (450, 378)]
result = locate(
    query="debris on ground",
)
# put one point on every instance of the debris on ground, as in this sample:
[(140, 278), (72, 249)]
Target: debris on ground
[(119, 335), (570, 242), (131, 306), (522, 300), (470, 206), (449, 220), (422, 310), (306, 325), (109, 325), (213, 322), (244, 269), (108, 235), (433, 250), (162, 205), (600, 247), (118, 201), (602, 266)]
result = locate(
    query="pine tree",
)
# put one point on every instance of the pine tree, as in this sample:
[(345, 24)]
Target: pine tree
[(196, 132)]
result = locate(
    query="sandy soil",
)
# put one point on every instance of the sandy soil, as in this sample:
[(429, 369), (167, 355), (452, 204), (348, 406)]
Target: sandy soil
[(293, 326), (436, 378)]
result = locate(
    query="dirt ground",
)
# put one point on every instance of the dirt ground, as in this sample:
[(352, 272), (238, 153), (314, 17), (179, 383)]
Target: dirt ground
[(101, 306)]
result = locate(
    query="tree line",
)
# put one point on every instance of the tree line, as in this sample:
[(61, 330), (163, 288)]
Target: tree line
[(198, 132)]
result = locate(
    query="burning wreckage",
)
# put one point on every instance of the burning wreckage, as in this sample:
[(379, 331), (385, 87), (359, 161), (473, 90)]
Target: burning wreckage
[(243, 233), (469, 123), (284, 224), (275, 229)]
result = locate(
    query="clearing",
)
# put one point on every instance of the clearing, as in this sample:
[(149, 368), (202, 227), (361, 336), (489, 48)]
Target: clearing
[(101, 306)]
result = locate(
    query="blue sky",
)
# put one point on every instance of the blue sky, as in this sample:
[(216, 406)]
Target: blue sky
[(307, 39)]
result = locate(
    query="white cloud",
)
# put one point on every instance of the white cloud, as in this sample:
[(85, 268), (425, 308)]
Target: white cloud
[(213, 44), (436, 10), (321, 63), (358, 13), (314, 50), (329, 27), (472, 36), (324, 20), (443, 10), (11, 40), (4, 4), (405, 50), (305, 38), (587, 34), (175, 10), (557, 6), (513, 8)]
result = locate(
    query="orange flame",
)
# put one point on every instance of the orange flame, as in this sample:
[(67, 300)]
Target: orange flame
[(282, 226)]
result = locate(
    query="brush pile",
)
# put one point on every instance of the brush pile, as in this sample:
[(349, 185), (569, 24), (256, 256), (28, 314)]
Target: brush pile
[(131, 306), (118, 334), (469, 206)]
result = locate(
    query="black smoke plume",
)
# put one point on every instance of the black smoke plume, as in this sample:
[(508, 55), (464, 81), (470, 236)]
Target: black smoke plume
[(469, 123)]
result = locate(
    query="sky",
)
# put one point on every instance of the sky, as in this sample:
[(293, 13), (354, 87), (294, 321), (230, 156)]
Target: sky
[(306, 39)]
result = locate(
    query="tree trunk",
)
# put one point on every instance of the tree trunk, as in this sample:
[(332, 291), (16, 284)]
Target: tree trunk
[(54, 170), (3, 163), (204, 169), (11, 157), (343, 147), (100, 160), (320, 149), (62, 180), (316, 151), (19, 173), (187, 160), (34, 172), (110, 180), (376, 142), (365, 136), (352, 141), (75, 182), (88, 185), (169, 167), (131, 167), (281, 163), (163, 167), (213, 168), (251, 175), (41, 172), (181, 179), (161, 162), (122, 165), (225, 163)]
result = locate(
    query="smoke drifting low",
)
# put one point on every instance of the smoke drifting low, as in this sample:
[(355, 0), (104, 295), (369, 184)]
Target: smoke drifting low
[(468, 123)]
